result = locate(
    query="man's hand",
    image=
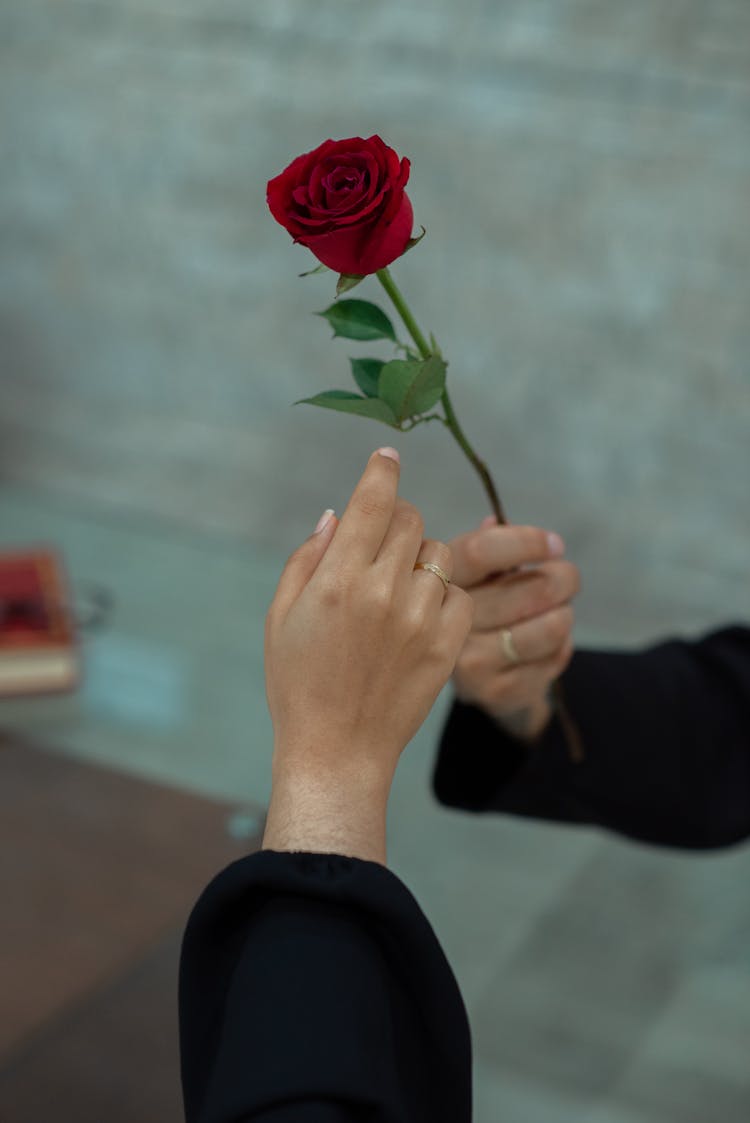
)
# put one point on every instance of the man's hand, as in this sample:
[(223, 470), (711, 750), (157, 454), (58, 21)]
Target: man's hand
[(521, 637)]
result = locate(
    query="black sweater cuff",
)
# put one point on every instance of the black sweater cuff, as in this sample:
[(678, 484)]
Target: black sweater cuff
[(316, 979)]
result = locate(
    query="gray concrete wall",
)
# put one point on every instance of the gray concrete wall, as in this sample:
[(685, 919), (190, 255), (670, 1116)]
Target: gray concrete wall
[(583, 170)]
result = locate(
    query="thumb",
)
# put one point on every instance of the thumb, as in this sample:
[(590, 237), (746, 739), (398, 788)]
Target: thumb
[(304, 561)]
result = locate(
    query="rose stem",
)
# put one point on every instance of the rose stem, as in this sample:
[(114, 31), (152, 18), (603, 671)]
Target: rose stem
[(572, 735), (451, 421)]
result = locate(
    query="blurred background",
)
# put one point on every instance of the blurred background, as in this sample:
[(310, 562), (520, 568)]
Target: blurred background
[(583, 172)]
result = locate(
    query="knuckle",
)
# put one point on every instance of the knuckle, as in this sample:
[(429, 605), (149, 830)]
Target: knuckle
[(331, 588), (445, 555), (472, 549), (413, 618), (288, 569), (371, 503), (538, 595), (410, 515), (558, 625), (439, 553), (534, 542), (293, 559), (569, 578), (379, 598), (464, 608)]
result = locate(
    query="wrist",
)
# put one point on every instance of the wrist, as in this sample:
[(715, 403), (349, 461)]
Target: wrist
[(341, 811)]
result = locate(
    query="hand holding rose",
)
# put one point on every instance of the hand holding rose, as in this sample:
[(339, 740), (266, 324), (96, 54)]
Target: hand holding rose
[(509, 679)]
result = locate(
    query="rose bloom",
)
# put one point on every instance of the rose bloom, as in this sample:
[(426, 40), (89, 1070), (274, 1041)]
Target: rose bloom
[(346, 202)]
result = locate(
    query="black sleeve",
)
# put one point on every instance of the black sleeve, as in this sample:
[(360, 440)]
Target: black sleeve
[(666, 733), (314, 990)]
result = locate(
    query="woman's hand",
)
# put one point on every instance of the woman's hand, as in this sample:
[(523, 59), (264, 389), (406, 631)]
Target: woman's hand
[(521, 637), (358, 646)]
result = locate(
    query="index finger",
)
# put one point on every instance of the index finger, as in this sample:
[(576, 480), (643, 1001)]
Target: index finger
[(368, 513), (480, 554)]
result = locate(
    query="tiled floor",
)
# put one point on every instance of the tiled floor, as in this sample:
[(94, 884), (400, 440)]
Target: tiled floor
[(583, 170)]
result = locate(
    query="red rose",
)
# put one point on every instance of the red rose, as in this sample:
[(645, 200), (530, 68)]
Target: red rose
[(346, 202)]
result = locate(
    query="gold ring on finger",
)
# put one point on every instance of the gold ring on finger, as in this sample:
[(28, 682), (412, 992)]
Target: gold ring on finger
[(435, 569), (509, 647)]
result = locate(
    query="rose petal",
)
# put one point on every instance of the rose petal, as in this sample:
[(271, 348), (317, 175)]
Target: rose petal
[(279, 189), (366, 248), (363, 194), (315, 185), (361, 214), (342, 185), (397, 188), (360, 210), (388, 242), (301, 195)]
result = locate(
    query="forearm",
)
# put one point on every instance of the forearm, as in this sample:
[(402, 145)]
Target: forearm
[(292, 966), (334, 812), (665, 733)]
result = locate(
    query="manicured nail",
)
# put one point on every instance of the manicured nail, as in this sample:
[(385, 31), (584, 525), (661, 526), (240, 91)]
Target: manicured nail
[(390, 452), (324, 518), (556, 544)]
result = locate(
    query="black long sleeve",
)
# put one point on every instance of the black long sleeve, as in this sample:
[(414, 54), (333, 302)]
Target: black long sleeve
[(314, 990), (666, 733)]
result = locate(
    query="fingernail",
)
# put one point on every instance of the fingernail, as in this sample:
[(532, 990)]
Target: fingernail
[(556, 544), (390, 452), (490, 520), (324, 518)]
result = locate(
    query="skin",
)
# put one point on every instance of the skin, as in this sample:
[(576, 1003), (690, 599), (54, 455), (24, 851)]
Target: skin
[(518, 580), (358, 645), (350, 624)]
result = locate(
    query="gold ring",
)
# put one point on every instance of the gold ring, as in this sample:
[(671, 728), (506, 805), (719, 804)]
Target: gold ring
[(509, 648), (435, 569)]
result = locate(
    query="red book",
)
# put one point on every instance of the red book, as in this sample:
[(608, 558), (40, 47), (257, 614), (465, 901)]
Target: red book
[(38, 644)]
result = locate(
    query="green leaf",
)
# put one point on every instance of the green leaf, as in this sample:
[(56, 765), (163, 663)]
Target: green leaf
[(358, 319), (366, 373), (318, 269), (346, 402), (348, 281), (410, 387), (414, 241)]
